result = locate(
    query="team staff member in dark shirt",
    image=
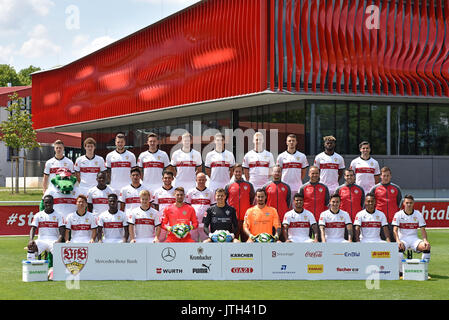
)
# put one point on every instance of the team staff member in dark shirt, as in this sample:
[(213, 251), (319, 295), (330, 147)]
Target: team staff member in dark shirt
[(220, 216)]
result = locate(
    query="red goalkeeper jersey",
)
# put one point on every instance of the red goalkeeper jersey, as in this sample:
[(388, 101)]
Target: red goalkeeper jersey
[(173, 215)]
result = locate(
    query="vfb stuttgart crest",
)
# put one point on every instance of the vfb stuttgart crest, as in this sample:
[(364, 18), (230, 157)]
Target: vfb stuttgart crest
[(74, 258)]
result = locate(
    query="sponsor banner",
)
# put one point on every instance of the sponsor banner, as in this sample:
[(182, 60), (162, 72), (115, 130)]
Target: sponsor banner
[(99, 261), (242, 261), (435, 213), (16, 220), (182, 261)]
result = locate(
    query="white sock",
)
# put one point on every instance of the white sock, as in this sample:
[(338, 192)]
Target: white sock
[(426, 256)]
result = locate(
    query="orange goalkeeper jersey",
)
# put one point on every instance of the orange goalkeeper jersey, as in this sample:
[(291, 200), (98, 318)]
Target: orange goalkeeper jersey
[(261, 220)]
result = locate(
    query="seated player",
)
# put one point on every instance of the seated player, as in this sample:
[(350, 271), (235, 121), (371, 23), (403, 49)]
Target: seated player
[(405, 229), (368, 222), (261, 219), (297, 223), (177, 215), (81, 225), (334, 221), (220, 217), (144, 224), (113, 223)]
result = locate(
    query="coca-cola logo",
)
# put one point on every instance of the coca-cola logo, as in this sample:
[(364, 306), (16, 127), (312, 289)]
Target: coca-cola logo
[(313, 254), (242, 270)]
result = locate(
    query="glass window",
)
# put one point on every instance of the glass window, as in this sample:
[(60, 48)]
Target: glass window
[(438, 130), (295, 118)]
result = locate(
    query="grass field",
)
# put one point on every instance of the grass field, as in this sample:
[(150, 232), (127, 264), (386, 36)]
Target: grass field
[(12, 287)]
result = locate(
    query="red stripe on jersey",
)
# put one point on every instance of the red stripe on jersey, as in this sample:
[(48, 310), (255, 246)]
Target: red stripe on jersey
[(48, 224), (100, 201), (54, 170), (333, 166), (186, 164), (153, 164), (80, 227), (299, 224), (408, 225), (113, 225), (144, 221), (200, 201), (64, 201), (121, 164), (220, 164), (90, 169), (132, 200), (335, 225), (261, 164), (166, 200), (364, 170), (292, 165), (371, 224)]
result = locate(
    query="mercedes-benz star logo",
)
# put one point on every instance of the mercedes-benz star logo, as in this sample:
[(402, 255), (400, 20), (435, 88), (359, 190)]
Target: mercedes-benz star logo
[(168, 254)]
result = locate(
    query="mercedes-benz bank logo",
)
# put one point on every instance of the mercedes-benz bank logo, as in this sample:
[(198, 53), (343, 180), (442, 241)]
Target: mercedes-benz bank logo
[(168, 254)]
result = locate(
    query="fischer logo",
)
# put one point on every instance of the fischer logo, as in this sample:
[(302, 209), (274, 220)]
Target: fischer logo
[(242, 270), (313, 254), (380, 254), (347, 270)]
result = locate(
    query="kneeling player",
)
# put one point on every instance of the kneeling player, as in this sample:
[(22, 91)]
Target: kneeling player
[(144, 224), (405, 229), (297, 222), (368, 222), (334, 221), (113, 222), (220, 217), (81, 225)]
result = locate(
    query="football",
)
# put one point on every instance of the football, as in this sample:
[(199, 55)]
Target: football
[(180, 230), (264, 237), (221, 236)]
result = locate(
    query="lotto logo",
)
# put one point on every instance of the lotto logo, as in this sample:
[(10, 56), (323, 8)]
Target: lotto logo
[(380, 254), (315, 268)]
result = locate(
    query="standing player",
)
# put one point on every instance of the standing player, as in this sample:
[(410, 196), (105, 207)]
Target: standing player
[(152, 163), (258, 162), (119, 164), (97, 197), (187, 163), (129, 195), (406, 223), (164, 197), (240, 195), (220, 216), (352, 195), (113, 223), (261, 219), (333, 223), (297, 223), (179, 213), (200, 198), (219, 164), (331, 164), (294, 165), (88, 166), (59, 161), (369, 222), (144, 224), (81, 225), (366, 169)]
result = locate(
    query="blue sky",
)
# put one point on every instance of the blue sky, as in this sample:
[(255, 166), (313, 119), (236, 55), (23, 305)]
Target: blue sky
[(47, 33)]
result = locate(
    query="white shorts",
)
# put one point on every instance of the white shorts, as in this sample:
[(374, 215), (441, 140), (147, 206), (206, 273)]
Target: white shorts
[(379, 240), (44, 245), (300, 240), (411, 243), (336, 240), (112, 240), (144, 240)]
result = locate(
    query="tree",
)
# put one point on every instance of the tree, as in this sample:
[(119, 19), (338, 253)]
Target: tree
[(8, 75), (25, 75), (17, 132)]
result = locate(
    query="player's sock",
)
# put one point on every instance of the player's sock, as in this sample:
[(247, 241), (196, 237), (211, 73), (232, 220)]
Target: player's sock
[(50, 260), (426, 256), (31, 255), (401, 256)]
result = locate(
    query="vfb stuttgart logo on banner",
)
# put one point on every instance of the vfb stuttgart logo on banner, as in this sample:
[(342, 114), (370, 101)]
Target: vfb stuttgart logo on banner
[(74, 258)]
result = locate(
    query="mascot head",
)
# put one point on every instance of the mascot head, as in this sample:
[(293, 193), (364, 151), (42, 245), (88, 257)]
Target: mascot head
[(64, 181)]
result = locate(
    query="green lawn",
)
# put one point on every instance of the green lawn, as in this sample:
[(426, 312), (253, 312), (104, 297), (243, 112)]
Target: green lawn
[(31, 195), (12, 287)]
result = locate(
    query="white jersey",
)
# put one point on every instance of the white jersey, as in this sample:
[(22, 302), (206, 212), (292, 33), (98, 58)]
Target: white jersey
[(120, 165), (99, 199), (335, 224), (292, 165), (64, 204), (48, 225), (186, 163), (370, 225), (259, 164), (144, 223), (365, 170), (153, 164), (113, 225), (408, 223), (219, 164), (164, 198), (200, 201), (299, 225), (53, 165), (88, 169), (129, 195), (81, 227), (329, 166)]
